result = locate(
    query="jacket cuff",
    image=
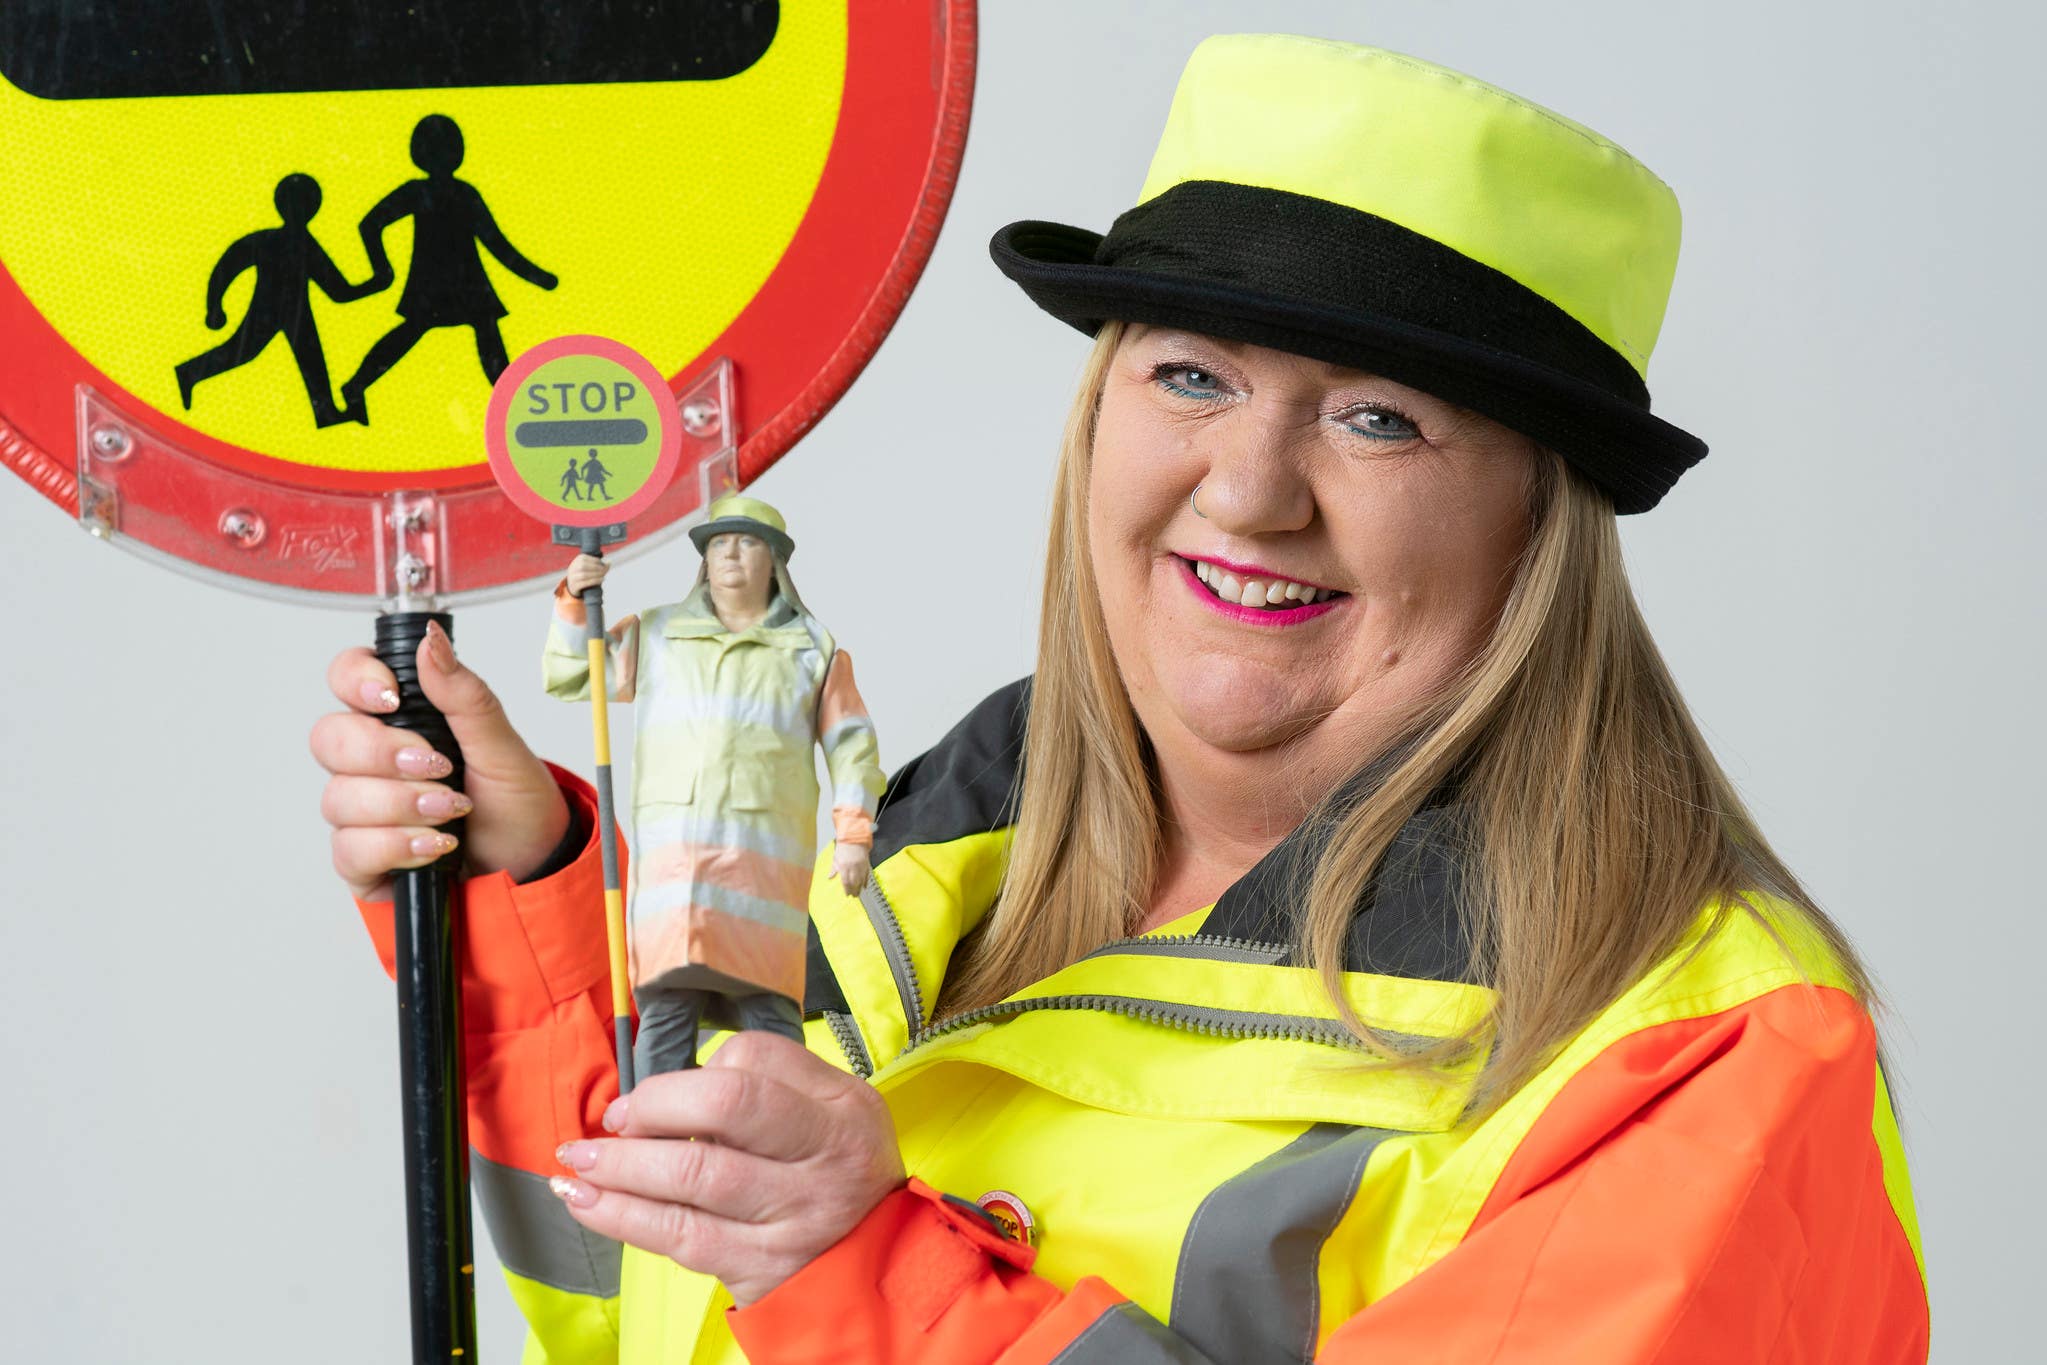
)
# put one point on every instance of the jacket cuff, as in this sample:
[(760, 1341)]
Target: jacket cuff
[(852, 825), (526, 948), (568, 608), (923, 1278)]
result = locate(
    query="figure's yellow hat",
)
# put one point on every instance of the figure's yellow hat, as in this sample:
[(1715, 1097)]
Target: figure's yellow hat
[(736, 512), (1375, 210)]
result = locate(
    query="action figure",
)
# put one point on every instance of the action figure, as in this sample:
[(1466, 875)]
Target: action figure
[(733, 686)]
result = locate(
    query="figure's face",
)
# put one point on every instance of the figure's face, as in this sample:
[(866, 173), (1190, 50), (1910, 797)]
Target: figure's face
[(1379, 525), (741, 567)]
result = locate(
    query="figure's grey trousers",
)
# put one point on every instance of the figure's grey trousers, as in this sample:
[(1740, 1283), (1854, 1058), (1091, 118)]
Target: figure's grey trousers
[(669, 1016)]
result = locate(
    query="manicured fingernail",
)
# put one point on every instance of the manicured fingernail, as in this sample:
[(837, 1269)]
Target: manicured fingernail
[(441, 647), (423, 763), (378, 697), (443, 805), (577, 1156), (571, 1191), (614, 1116), (432, 845)]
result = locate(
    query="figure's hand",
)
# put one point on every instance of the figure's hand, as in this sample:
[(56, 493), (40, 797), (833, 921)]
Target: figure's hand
[(216, 318), (586, 572), (850, 865), (382, 798), (792, 1152)]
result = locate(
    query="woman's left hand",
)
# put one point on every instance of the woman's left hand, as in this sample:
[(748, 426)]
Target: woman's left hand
[(791, 1153)]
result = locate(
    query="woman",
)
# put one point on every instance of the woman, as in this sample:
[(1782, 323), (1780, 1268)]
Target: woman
[(1346, 947)]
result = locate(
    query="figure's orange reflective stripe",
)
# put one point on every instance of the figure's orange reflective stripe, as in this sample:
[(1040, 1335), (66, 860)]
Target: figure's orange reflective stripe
[(1722, 1169)]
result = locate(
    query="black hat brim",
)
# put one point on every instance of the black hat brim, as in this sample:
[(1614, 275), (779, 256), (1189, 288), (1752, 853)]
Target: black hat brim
[(1622, 447)]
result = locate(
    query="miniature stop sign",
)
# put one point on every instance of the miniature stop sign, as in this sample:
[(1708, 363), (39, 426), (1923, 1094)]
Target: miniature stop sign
[(582, 431)]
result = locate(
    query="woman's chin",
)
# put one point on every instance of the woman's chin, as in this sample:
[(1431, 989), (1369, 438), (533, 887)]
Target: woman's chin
[(1239, 721)]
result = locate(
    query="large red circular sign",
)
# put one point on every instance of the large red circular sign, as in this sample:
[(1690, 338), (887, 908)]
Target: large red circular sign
[(252, 323)]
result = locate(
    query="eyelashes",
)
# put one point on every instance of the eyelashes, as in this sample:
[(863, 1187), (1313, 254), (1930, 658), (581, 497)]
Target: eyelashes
[(1188, 380)]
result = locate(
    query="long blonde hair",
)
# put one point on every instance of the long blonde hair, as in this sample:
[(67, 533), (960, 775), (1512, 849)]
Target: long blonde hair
[(1603, 824)]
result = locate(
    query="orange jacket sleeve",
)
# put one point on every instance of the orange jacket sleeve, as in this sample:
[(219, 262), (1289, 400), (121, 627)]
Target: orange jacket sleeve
[(537, 1034), (1705, 1190), (536, 1000)]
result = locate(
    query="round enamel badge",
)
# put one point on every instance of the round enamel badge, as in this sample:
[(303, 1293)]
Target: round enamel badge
[(1014, 1216)]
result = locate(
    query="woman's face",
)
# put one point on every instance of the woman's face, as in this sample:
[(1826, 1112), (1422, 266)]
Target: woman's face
[(740, 564), (1376, 526)]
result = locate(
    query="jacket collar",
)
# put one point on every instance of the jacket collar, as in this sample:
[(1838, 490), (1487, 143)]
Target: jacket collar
[(694, 619), (1407, 924), (941, 845)]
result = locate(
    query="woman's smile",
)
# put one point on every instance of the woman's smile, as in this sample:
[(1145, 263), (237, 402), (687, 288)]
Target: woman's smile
[(1245, 592)]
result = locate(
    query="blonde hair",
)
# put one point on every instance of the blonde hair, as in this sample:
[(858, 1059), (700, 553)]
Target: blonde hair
[(1603, 826)]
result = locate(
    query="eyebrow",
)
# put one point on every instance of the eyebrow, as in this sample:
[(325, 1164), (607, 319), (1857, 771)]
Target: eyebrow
[(1333, 374)]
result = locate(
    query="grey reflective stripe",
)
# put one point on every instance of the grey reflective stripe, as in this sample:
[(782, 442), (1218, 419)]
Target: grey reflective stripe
[(1127, 1335), (1247, 1289), (773, 914), (534, 1235)]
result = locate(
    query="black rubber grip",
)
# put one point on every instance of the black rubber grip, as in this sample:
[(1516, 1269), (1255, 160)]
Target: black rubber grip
[(434, 1113), (398, 637)]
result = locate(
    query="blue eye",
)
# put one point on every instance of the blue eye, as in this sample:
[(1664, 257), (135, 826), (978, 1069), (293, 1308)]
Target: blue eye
[(1188, 381), (1380, 424)]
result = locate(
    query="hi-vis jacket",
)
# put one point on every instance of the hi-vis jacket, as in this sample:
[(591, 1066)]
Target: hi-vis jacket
[(1709, 1172), (725, 726)]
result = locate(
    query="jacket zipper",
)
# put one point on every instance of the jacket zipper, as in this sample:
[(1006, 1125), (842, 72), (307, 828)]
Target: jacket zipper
[(1214, 1023), (896, 948), (1217, 1023), (1215, 946), (848, 1036)]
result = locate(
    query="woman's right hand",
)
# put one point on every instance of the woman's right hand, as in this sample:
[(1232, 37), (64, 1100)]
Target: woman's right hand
[(382, 797), (585, 572)]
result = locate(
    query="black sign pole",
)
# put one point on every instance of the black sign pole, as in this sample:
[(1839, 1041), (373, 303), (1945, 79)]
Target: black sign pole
[(439, 1243)]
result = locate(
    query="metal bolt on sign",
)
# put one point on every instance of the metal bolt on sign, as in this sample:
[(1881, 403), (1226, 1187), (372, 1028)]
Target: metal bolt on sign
[(243, 527), (701, 417), (111, 443)]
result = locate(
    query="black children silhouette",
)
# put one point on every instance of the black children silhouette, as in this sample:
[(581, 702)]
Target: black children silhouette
[(287, 261), (569, 477), (594, 475), (445, 283)]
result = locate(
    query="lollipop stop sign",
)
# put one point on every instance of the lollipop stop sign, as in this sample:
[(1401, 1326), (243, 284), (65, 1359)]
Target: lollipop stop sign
[(583, 434)]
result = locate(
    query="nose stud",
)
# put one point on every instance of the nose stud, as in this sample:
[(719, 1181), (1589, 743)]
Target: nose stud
[(1195, 505)]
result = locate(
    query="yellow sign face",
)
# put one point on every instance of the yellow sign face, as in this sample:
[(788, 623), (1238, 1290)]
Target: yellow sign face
[(342, 290)]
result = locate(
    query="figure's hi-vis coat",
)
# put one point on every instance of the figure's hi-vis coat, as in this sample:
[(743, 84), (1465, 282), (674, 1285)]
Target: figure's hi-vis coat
[(724, 799), (1709, 1172)]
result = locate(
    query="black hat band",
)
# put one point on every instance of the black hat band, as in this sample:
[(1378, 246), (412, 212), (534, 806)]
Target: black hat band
[(1331, 255)]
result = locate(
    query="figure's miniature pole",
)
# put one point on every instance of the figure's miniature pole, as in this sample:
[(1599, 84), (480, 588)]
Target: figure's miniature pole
[(439, 1239), (592, 543), (625, 407)]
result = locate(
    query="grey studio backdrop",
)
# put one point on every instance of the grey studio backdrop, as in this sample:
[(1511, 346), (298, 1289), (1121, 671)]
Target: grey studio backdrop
[(200, 1082)]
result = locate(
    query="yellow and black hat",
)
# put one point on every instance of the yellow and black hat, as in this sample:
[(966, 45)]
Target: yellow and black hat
[(1374, 210)]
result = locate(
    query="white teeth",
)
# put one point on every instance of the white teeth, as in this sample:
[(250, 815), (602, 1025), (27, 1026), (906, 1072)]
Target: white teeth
[(1257, 592)]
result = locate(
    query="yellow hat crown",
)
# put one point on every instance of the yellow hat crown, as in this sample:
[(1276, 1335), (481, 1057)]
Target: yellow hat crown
[(1544, 200)]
